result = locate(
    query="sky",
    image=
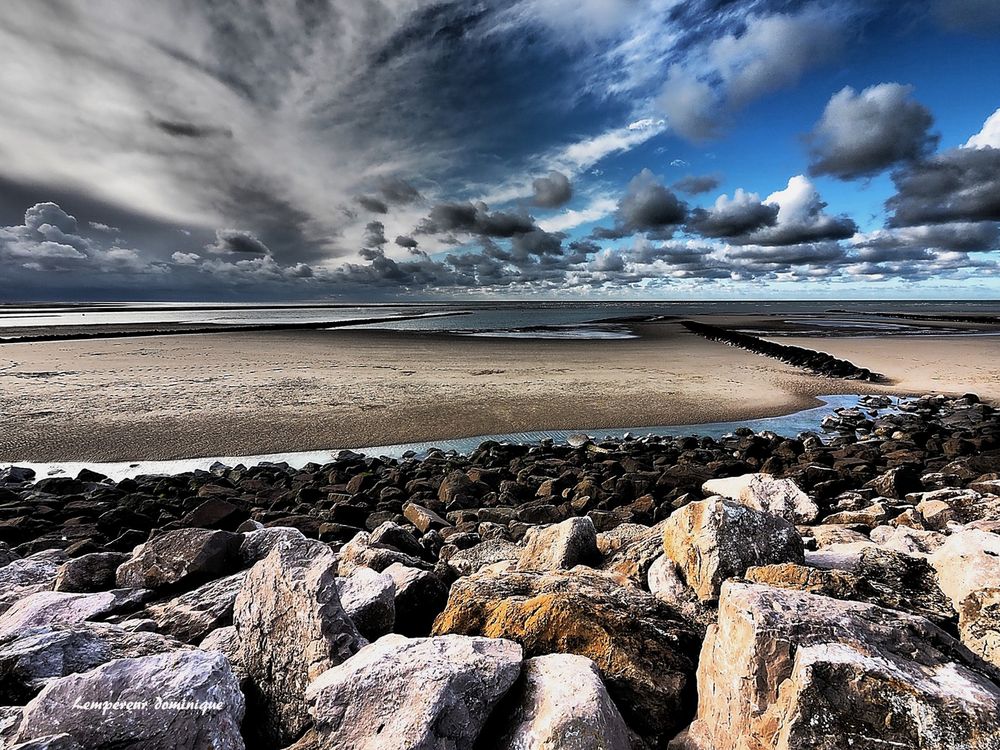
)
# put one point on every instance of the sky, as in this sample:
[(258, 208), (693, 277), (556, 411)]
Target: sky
[(380, 150)]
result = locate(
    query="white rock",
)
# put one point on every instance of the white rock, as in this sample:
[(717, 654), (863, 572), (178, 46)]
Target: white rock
[(780, 497)]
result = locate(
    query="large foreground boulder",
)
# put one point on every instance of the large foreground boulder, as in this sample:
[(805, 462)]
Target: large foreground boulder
[(413, 693), (716, 539), (559, 703), (786, 670), (291, 628), (63, 608), (643, 650), (192, 615), (184, 556), (184, 698)]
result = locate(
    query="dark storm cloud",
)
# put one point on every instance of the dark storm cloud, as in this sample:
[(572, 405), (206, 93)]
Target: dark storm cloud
[(697, 184), (182, 129), (537, 242), (397, 191), (474, 219), (957, 185), (862, 134), (742, 215), (238, 242), (647, 207), (373, 204), (374, 234), (552, 191), (406, 241), (814, 229)]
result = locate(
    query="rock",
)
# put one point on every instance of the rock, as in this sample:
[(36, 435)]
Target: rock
[(844, 556), (968, 561), (28, 575), (896, 482), (392, 535), (561, 546), (714, 539), (257, 544), (16, 475), (423, 518), (227, 642), (361, 553), (559, 703), (51, 742), (31, 659), (7, 555), (215, 513), (63, 608), (291, 628), (779, 497), (185, 556), (468, 561), (788, 670), (907, 540), (420, 595), (456, 484), (190, 616), (369, 599), (827, 534), (413, 693), (634, 557), (643, 649), (186, 698), (609, 542), (979, 623), (666, 583), (89, 573)]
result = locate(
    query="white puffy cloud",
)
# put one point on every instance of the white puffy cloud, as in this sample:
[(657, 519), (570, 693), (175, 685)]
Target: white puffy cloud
[(989, 136)]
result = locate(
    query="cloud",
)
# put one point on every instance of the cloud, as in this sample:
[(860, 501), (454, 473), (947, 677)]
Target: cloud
[(190, 129), (989, 136), (959, 185), (741, 215), (977, 16), (474, 219), (801, 218), (373, 204), (862, 134), (552, 191), (238, 242), (597, 209), (697, 184), (406, 241), (770, 52), (647, 207), (374, 234), (185, 259)]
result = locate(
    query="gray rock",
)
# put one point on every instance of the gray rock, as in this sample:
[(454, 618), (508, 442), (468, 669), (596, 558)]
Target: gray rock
[(413, 693), (52, 742), (715, 539), (88, 573), (30, 660), (561, 546), (192, 615), (291, 628), (559, 703), (28, 575), (225, 641), (420, 595), (468, 561), (360, 552), (7, 555), (184, 556), (779, 497), (179, 699), (256, 545), (369, 599), (63, 608)]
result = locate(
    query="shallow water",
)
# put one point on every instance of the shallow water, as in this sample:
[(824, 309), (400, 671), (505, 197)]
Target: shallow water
[(788, 425)]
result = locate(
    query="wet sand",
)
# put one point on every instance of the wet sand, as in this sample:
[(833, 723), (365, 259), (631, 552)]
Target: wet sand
[(252, 393)]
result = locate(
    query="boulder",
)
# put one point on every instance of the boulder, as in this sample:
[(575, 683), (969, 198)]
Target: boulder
[(715, 539), (787, 670), (779, 497), (642, 648), (468, 561), (7, 555), (907, 540), (192, 615), (185, 556), (291, 628), (360, 552), (559, 703), (369, 599), (31, 659), (63, 608), (633, 558), (423, 518), (413, 693), (28, 575), (51, 742), (89, 573), (185, 698), (561, 546), (841, 556), (257, 544), (215, 513), (979, 623), (419, 597), (968, 561)]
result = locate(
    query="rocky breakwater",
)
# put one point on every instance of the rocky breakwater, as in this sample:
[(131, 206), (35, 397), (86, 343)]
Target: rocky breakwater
[(749, 592)]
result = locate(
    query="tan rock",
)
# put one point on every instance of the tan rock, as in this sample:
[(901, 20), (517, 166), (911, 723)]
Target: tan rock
[(779, 497), (979, 623), (968, 561), (716, 539), (560, 546), (786, 670)]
